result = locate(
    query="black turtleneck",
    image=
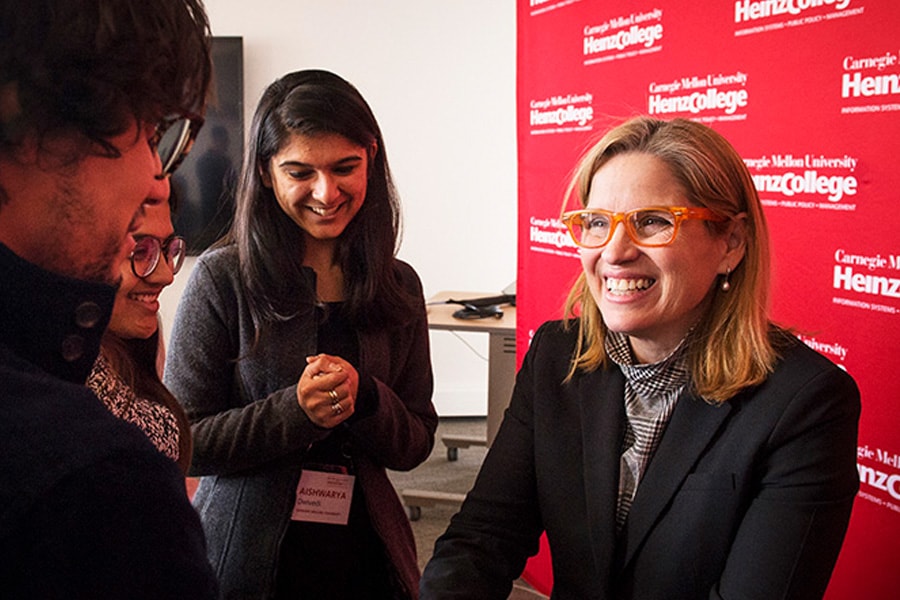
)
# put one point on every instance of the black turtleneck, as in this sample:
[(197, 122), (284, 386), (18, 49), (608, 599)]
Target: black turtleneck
[(50, 320), (84, 496)]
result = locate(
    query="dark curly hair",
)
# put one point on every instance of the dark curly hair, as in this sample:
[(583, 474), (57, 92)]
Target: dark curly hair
[(94, 66)]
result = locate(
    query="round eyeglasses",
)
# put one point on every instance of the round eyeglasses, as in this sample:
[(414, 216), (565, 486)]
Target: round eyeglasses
[(651, 227), (173, 139), (148, 249)]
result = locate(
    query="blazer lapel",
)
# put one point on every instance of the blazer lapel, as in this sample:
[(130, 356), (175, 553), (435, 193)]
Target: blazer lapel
[(603, 416), (690, 430)]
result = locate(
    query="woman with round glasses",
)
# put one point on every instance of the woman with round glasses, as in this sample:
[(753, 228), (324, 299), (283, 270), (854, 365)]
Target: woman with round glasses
[(126, 374), (300, 352), (669, 438)]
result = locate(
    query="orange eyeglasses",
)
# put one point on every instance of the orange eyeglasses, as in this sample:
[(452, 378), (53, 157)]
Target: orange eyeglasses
[(652, 226)]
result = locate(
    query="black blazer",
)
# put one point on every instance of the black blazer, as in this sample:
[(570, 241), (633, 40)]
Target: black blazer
[(750, 499)]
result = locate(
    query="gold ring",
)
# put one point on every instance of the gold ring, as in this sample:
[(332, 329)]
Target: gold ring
[(333, 395), (336, 407)]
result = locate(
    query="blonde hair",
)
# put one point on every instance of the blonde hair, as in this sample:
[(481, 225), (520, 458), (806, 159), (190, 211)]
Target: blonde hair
[(735, 345)]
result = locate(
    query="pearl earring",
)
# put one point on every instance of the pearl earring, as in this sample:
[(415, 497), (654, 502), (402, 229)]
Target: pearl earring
[(726, 285)]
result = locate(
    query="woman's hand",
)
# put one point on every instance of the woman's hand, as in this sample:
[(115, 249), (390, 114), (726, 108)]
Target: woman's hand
[(327, 390)]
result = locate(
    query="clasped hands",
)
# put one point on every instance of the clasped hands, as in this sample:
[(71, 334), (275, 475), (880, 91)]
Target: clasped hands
[(327, 390)]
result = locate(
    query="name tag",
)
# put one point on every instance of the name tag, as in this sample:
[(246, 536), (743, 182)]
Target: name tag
[(323, 497)]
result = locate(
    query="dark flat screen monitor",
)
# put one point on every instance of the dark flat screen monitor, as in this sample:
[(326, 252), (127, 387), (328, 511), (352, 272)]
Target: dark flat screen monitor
[(204, 183)]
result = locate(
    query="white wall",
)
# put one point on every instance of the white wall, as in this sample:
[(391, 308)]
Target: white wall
[(440, 77)]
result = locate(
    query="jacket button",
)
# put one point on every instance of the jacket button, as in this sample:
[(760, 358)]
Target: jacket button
[(87, 315), (72, 348)]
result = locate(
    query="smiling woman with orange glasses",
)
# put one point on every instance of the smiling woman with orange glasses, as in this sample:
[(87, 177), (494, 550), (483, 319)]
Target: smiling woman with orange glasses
[(669, 438)]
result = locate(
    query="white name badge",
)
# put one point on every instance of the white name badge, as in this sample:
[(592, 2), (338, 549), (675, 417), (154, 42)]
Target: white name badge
[(323, 497)]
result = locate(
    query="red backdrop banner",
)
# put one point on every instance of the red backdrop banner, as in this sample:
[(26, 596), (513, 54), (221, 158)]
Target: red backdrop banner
[(808, 91)]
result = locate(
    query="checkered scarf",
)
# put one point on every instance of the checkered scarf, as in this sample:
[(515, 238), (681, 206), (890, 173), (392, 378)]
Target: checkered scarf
[(650, 395)]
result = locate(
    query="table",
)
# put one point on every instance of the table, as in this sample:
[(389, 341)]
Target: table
[(501, 378), (501, 356)]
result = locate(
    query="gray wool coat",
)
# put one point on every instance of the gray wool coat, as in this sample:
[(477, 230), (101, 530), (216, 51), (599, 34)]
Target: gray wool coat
[(250, 434)]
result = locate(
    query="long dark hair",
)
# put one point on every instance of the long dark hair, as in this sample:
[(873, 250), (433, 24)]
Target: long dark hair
[(271, 246)]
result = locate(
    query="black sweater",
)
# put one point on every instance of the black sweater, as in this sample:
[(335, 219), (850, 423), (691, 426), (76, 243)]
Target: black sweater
[(88, 507)]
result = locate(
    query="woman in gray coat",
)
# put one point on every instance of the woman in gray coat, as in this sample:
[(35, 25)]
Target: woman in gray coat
[(300, 351)]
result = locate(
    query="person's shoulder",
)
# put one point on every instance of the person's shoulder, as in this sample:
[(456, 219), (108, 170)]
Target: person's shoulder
[(106, 498), (801, 372), (38, 407), (556, 330), (50, 429), (798, 359), (217, 267), (407, 276), (220, 257), (555, 338), (405, 271)]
